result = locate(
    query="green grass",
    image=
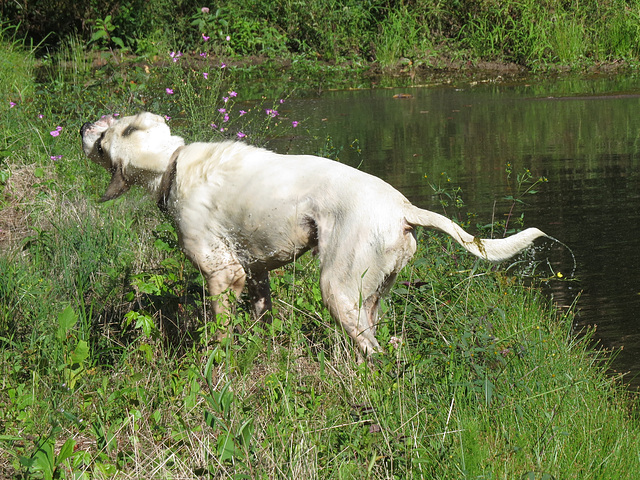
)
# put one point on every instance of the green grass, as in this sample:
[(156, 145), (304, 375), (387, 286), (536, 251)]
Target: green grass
[(108, 367), (378, 33)]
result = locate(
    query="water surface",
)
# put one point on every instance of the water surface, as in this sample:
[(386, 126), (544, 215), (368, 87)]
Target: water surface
[(583, 135)]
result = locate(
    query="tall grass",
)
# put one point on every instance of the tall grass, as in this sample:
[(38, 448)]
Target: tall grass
[(107, 365), (16, 69), (535, 34)]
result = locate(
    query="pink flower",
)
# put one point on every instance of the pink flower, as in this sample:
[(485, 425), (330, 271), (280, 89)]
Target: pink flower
[(175, 56), (203, 54), (55, 158), (242, 112), (223, 65), (241, 135), (222, 110), (169, 91), (205, 75), (214, 126), (56, 132), (272, 113), (12, 104), (295, 123), (205, 38), (40, 116), (167, 117), (281, 101), (228, 38), (204, 10), (233, 94)]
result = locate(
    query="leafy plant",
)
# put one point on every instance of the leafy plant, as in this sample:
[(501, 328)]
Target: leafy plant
[(103, 34), (75, 353), (45, 461), (525, 184), (449, 196), (233, 444)]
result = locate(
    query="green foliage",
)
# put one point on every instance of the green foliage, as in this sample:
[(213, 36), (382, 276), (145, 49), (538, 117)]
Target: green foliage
[(530, 32), (234, 444), (103, 34), (45, 461), (16, 70)]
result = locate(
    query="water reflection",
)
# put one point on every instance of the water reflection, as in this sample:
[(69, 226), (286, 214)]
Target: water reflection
[(583, 135)]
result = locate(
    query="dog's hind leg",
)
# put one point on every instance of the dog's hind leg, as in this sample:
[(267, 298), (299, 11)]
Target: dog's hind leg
[(348, 307)]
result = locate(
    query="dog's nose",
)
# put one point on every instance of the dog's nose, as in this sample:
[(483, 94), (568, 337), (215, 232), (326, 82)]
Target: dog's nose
[(84, 128)]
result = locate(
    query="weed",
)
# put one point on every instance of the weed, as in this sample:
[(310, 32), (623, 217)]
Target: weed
[(525, 184)]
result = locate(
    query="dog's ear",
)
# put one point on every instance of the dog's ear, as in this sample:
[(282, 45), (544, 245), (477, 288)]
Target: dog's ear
[(146, 120), (117, 186)]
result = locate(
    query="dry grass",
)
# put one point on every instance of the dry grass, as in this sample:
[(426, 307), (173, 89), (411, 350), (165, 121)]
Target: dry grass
[(17, 199)]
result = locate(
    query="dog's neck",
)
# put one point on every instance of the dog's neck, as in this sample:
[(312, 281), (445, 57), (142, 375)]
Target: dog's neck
[(149, 168), (166, 182)]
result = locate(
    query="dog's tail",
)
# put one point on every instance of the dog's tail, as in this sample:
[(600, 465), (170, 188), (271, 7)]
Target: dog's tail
[(494, 250)]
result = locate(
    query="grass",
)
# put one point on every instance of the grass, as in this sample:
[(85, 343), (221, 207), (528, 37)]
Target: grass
[(377, 33), (108, 367)]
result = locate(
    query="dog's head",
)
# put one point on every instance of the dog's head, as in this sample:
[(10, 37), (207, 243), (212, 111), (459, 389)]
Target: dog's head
[(136, 150)]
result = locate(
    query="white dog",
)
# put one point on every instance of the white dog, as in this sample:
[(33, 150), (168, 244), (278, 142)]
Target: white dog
[(242, 211)]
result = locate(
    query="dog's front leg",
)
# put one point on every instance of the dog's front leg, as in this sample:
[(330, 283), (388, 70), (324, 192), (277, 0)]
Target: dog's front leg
[(260, 295), (223, 273), (223, 283)]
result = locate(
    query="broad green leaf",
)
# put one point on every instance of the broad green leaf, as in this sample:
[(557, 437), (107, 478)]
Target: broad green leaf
[(226, 447), (81, 352), (66, 320), (245, 432), (66, 451)]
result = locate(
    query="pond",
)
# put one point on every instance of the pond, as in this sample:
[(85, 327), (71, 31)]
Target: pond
[(583, 135)]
